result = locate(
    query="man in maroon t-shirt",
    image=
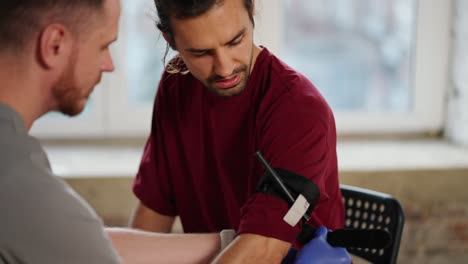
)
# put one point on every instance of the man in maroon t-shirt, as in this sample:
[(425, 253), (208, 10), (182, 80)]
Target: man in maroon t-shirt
[(219, 101)]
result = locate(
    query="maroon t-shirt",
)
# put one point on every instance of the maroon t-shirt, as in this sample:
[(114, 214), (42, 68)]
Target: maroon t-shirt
[(199, 160)]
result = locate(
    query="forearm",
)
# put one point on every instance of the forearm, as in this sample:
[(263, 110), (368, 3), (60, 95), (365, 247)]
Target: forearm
[(146, 219), (136, 246), (249, 248)]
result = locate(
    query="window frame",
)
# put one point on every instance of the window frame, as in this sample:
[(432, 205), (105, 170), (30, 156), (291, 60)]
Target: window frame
[(433, 44)]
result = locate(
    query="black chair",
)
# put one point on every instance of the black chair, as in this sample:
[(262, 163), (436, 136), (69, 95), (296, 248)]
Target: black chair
[(366, 209)]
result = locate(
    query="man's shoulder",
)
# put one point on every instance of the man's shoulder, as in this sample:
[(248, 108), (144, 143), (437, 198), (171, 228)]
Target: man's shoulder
[(42, 214), (173, 82), (176, 91), (292, 90), (23, 164), (283, 77), (24, 170), (16, 148)]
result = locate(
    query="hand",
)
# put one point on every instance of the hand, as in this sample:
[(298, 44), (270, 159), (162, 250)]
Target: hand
[(318, 251)]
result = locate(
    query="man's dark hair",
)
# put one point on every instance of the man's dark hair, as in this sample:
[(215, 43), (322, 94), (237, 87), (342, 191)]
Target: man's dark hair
[(21, 19), (187, 9)]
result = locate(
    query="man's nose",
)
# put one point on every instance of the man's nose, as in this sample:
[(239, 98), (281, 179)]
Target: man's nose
[(107, 64), (223, 64)]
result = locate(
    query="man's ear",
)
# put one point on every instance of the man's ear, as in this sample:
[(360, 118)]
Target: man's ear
[(54, 45)]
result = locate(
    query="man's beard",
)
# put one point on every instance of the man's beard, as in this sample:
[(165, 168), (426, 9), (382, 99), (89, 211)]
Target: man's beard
[(243, 70), (67, 94)]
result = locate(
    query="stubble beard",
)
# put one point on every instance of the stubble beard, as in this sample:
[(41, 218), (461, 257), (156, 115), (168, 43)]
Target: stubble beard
[(244, 70), (67, 95)]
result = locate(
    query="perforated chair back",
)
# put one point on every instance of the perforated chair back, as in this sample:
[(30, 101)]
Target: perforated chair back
[(366, 209)]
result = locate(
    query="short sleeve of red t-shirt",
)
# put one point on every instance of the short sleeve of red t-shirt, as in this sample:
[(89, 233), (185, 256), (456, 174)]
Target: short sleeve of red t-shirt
[(296, 132)]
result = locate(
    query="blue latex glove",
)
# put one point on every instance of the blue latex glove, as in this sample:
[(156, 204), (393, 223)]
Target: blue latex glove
[(318, 251)]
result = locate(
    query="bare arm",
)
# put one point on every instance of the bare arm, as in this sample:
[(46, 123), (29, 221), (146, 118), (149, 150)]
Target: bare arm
[(136, 246), (146, 219), (250, 248)]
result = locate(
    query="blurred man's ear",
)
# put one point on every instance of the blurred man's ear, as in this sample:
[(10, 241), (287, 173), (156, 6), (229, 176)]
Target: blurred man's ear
[(55, 45)]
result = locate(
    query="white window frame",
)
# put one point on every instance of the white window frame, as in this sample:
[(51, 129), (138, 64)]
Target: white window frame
[(431, 71), (115, 117)]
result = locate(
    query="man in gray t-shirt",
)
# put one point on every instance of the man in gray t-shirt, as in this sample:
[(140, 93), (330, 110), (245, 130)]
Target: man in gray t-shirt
[(52, 54), (42, 219)]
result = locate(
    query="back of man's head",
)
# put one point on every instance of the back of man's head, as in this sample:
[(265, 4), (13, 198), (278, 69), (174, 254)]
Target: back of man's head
[(20, 20)]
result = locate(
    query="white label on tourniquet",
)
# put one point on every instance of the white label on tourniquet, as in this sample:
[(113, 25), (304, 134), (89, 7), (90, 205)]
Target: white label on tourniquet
[(296, 211)]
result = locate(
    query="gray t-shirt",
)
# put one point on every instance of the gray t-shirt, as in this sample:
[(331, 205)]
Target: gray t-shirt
[(42, 220)]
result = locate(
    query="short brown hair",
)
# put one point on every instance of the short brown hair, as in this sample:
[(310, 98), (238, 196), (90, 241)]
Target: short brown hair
[(21, 19)]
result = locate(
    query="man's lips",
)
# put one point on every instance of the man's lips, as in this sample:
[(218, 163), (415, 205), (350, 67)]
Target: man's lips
[(229, 83)]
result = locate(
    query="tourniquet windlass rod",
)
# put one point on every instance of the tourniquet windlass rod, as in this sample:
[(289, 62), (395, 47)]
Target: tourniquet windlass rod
[(348, 238), (278, 180)]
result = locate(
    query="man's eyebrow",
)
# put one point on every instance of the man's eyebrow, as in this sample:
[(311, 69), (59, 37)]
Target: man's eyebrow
[(242, 32), (239, 34)]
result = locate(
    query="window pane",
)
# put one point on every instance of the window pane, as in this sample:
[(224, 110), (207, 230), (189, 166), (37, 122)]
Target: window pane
[(357, 52), (144, 50)]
